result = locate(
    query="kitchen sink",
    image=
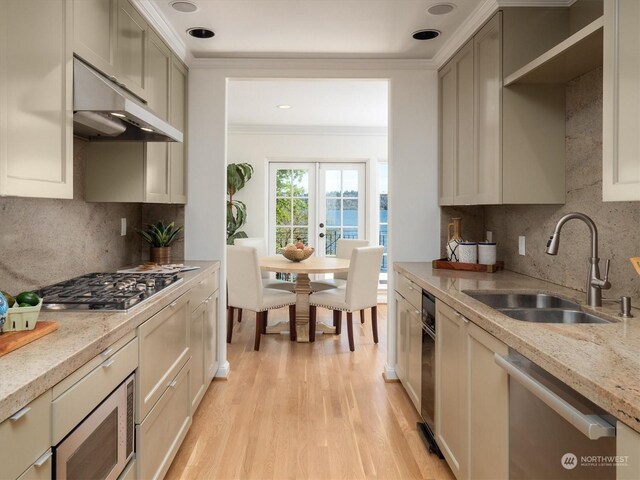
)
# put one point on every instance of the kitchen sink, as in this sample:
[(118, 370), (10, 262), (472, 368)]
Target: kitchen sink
[(546, 315), (522, 300)]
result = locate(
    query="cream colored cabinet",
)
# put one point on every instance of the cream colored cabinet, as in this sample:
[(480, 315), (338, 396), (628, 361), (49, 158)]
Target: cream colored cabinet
[(157, 71), (464, 182), (26, 437), (131, 45), (178, 118), (197, 334), (472, 394), (160, 435), (414, 377), (402, 337), (621, 101), (36, 98), (211, 360), (628, 446), (447, 139), (95, 33), (41, 468)]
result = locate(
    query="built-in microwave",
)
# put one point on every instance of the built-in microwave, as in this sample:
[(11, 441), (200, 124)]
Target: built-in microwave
[(102, 445)]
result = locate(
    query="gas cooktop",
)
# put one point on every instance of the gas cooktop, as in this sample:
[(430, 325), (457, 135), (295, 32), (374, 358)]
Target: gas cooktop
[(118, 292)]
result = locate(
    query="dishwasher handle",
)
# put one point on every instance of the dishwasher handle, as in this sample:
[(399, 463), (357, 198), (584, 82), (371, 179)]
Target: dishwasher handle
[(592, 426)]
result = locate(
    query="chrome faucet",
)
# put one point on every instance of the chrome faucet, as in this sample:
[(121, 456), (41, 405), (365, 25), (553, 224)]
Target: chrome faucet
[(595, 284)]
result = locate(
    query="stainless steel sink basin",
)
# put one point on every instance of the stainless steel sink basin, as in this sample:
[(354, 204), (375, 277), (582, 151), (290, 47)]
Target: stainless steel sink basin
[(542, 315), (522, 300)]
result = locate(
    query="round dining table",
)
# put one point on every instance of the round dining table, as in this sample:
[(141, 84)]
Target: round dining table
[(302, 270)]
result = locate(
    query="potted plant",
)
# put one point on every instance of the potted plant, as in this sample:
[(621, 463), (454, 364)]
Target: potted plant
[(160, 237), (238, 174)]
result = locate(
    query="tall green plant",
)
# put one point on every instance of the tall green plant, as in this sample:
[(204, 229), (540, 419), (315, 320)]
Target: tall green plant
[(238, 174)]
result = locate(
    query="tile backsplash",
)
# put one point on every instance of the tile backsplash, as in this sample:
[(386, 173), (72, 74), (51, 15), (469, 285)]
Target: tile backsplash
[(618, 222), (43, 241)]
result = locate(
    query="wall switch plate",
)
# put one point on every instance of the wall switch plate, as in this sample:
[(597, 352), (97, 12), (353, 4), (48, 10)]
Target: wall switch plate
[(489, 236), (123, 227), (522, 245)]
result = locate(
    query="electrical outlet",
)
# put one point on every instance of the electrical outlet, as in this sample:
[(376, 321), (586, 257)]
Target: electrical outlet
[(489, 236), (522, 250), (123, 227)]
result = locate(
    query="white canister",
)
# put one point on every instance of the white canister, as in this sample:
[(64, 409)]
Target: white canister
[(487, 253), (468, 252)]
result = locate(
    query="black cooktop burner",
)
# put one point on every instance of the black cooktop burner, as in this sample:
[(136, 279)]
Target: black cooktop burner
[(106, 291)]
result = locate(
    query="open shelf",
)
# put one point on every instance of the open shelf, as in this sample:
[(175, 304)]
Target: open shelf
[(578, 54)]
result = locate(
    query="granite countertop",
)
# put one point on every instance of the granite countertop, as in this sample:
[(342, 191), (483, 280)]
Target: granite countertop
[(600, 361), (31, 370)]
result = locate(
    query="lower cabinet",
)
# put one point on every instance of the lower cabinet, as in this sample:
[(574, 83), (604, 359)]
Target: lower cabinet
[(41, 468), (161, 433), (197, 334), (211, 361), (409, 348), (472, 395)]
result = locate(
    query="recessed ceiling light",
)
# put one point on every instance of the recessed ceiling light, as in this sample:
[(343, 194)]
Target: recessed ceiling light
[(427, 34), (116, 114), (200, 32), (183, 6), (441, 8), (146, 129), (284, 107)]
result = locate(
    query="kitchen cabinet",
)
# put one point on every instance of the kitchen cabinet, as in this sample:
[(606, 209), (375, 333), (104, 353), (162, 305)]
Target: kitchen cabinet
[(409, 337), (131, 47), (627, 445), (95, 32), (178, 118), (36, 98), (472, 412), (211, 360), (157, 71), (621, 102), (28, 433), (41, 468), (498, 145), (197, 334)]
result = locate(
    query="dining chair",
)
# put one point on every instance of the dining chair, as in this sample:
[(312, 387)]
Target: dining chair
[(245, 290), (267, 282), (359, 292)]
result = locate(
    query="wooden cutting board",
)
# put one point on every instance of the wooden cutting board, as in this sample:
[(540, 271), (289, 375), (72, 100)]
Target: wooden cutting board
[(12, 340)]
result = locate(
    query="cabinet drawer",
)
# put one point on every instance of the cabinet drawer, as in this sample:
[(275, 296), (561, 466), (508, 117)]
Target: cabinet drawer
[(77, 402), (41, 468), (163, 430), (163, 350), (409, 290), (26, 435), (203, 290)]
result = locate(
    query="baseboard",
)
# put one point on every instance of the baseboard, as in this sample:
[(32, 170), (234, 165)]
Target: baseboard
[(389, 375), (223, 371)]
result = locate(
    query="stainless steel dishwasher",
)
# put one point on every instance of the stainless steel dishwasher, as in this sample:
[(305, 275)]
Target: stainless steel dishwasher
[(554, 432)]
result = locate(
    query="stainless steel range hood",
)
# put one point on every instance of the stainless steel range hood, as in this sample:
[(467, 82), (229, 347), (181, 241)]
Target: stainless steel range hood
[(105, 111)]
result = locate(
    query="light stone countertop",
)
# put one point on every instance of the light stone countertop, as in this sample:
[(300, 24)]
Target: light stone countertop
[(31, 370), (600, 361)]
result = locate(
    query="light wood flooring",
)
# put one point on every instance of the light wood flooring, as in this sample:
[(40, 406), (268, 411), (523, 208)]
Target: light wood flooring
[(316, 411)]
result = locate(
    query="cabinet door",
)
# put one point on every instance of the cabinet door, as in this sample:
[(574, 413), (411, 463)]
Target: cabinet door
[(178, 118), (447, 154), (621, 101), (131, 47), (157, 170), (95, 33), (488, 391), (414, 357), (211, 361), (402, 335), (41, 468), (36, 98), (487, 46), (196, 345), (158, 58), (451, 390), (464, 185)]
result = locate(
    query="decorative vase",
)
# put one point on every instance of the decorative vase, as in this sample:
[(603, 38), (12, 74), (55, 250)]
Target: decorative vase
[(454, 239), (161, 255)]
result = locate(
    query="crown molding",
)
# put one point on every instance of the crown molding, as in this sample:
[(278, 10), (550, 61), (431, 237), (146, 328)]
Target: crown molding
[(157, 20), (312, 63), (307, 130), (536, 3)]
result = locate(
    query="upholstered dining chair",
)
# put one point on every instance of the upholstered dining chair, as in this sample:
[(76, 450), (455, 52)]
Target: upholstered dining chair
[(267, 282), (245, 290), (359, 292)]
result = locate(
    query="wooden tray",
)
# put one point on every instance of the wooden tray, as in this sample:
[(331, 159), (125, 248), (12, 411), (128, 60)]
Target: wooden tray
[(444, 264), (12, 340)]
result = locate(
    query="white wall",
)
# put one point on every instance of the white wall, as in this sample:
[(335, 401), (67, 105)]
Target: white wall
[(413, 171), (259, 148)]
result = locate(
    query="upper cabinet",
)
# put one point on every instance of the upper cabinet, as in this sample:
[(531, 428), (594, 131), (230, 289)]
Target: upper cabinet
[(621, 101), (36, 98), (178, 118), (95, 33), (131, 48)]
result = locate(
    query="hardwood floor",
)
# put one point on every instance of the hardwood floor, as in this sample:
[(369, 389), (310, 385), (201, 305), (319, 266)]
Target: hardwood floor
[(315, 410)]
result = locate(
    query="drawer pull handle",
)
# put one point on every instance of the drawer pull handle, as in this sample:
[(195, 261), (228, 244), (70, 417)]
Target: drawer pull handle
[(43, 459), (108, 363), (206, 301), (465, 319), (107, 352), (201, 282), (20, 413), (410, 287), (417, 312), (173, 305), (173, 384)]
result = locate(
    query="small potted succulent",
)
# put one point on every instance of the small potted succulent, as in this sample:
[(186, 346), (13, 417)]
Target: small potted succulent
[(160, 237)]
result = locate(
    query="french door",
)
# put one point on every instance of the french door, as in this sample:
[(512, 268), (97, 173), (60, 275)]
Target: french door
[(316, 203)]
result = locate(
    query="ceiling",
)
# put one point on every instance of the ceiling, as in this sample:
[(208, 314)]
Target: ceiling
[(346, 103), (315, 28)]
